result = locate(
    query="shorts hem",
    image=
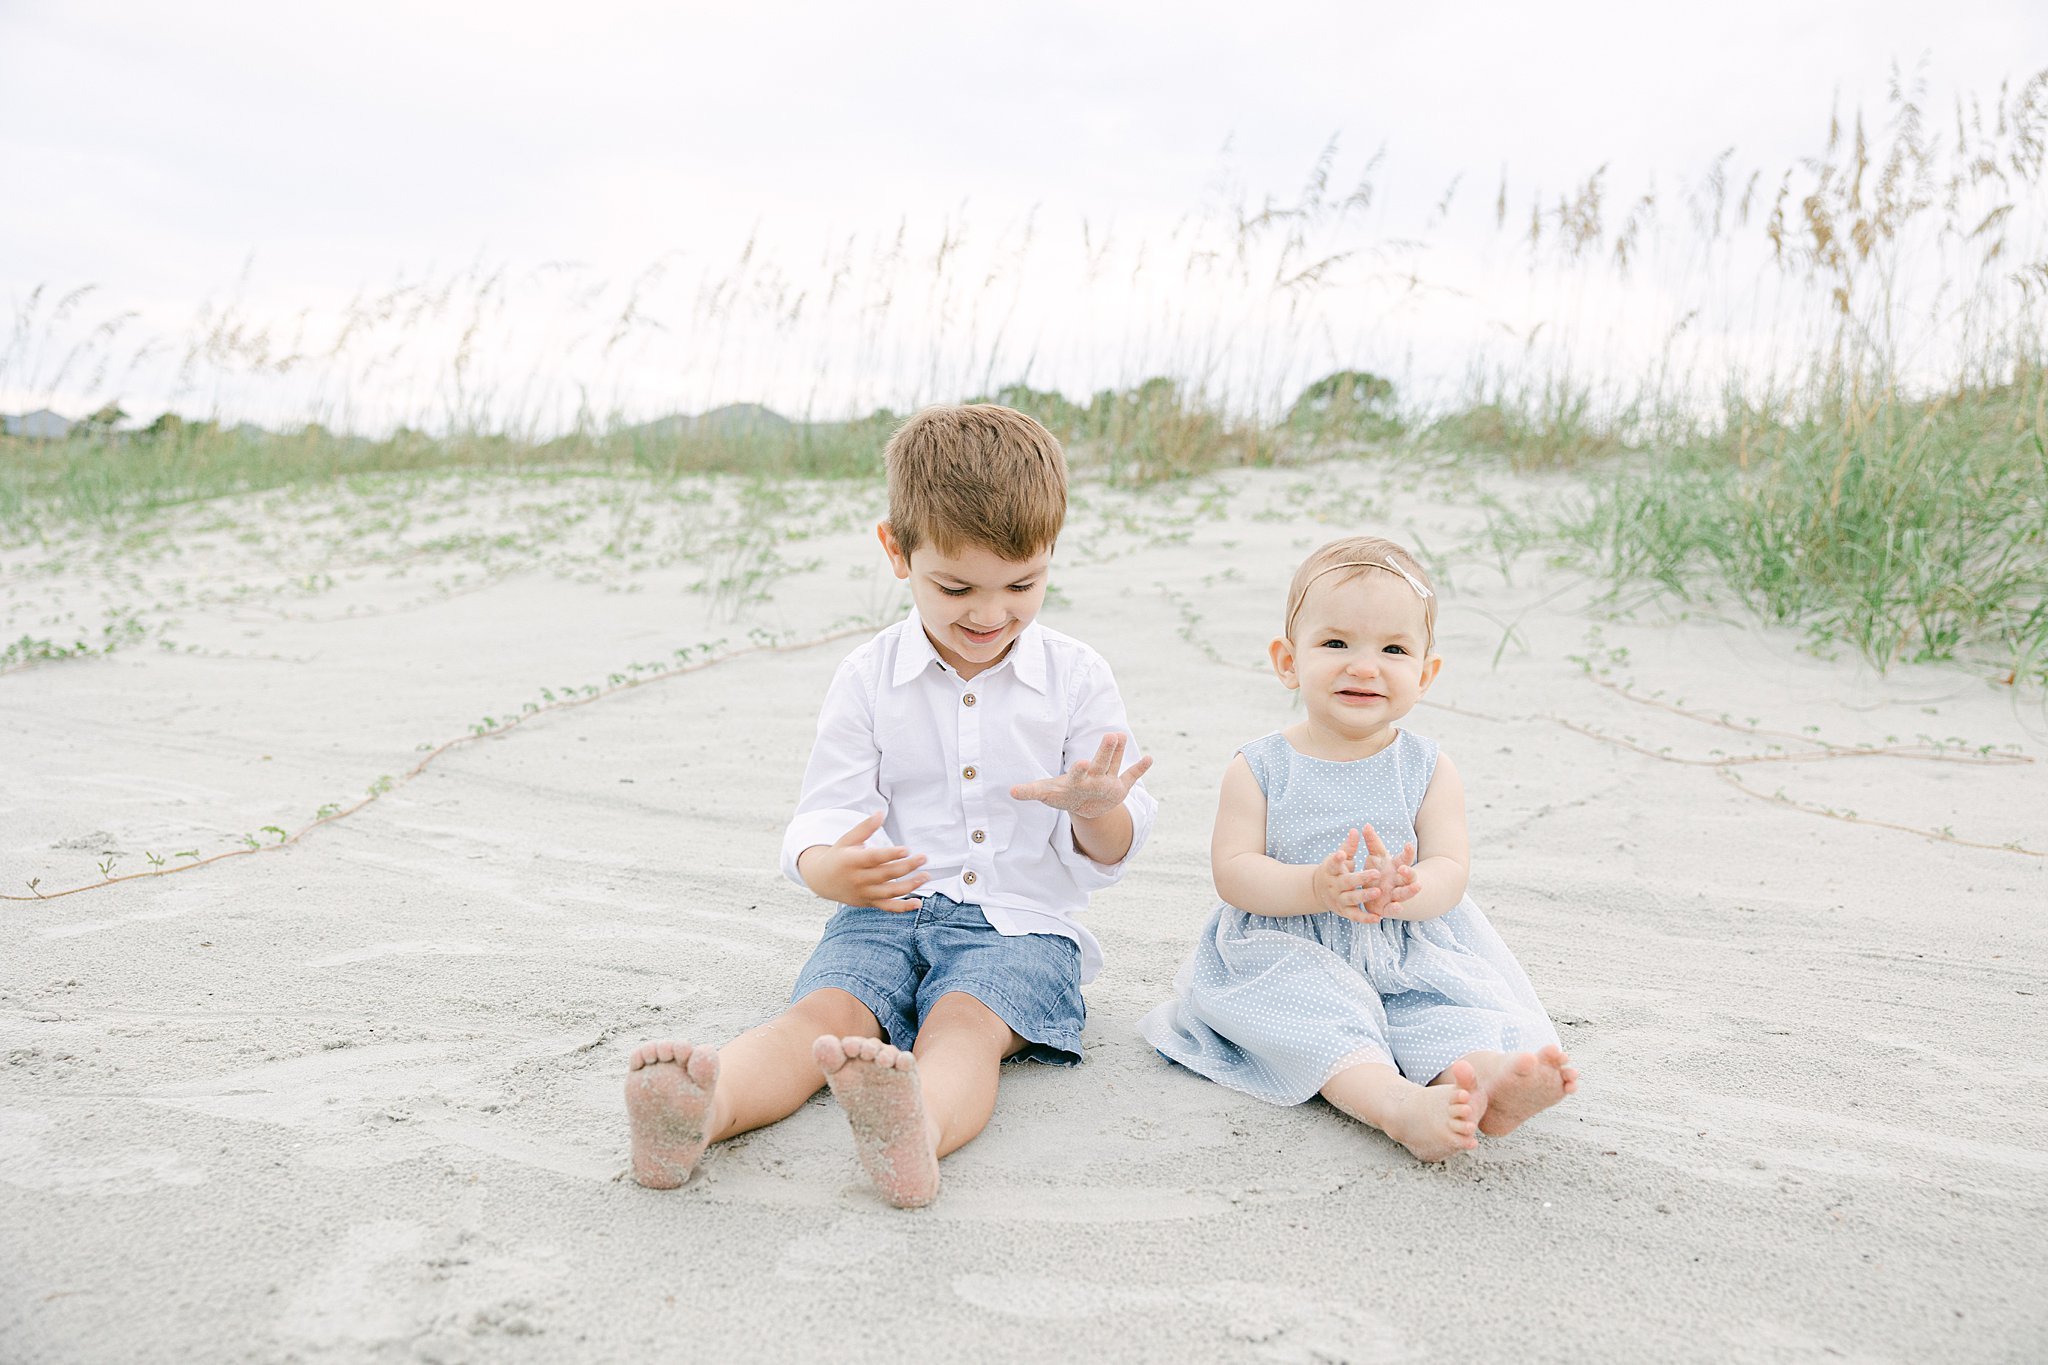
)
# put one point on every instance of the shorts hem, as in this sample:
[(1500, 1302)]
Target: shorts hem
[(861, 989), (1052, 1046)]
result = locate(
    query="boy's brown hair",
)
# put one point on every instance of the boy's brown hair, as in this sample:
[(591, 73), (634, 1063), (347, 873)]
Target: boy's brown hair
[(976, 474), (1354, 555)]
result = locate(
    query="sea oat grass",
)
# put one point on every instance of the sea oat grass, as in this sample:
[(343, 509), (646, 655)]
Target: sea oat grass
[(1905, 530)]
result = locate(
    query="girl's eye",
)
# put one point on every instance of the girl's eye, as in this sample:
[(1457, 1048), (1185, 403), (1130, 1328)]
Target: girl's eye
[(1396, 649), (1333, 644)]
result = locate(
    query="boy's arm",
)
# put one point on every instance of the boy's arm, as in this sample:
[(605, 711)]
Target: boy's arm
[(1097, 850), (842, 780)]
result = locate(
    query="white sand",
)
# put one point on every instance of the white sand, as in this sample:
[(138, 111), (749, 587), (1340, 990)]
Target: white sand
[(358, 1099)]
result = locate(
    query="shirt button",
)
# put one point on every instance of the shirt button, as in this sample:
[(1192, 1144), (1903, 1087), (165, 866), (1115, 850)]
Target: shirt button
[(969, 878), (968, 699), (968, 773), (980, 835)]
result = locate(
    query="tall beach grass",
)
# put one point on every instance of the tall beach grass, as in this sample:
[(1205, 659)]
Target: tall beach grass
[(1819, 388)]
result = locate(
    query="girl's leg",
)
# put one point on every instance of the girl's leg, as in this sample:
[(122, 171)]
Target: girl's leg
[(1512, 1087), (1431, 1121), (681, 1098), (909, 1110)]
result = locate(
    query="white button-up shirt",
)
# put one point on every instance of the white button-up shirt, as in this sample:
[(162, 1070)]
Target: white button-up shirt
[(901, 731)]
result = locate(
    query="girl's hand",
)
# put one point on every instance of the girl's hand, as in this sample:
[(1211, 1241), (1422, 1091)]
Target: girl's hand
[(1092, 788), (1340, 887), (1389, 878)]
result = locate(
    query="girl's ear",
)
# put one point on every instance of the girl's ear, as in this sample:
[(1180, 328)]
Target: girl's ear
[(1281, 652), (898, 560), (1430, 668)]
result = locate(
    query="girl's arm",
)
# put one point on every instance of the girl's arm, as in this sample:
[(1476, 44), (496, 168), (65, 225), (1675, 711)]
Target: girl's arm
[(1443, 853), (1259, 885)]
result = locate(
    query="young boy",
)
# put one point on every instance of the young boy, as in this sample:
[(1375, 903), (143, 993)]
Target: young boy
[(965, 794)]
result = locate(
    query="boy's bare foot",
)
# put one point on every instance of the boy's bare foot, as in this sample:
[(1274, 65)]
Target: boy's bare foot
[(876, 1085), (1434, 1121), (1513, 1087), (668, 1104)]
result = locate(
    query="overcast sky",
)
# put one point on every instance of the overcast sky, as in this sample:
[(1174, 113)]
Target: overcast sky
[(154, 149)]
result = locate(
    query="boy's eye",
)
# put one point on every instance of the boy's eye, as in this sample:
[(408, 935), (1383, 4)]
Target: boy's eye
[(952, 592), (1022, 587)]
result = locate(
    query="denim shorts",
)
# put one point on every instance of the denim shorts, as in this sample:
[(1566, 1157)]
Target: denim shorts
[(898, 964)]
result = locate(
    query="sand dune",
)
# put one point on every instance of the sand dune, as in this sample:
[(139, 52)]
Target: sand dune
[(358, 1098)]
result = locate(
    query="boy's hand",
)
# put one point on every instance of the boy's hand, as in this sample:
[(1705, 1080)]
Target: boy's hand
[(851, 873), (1389, 878), (1091, 788), (1340, 886)]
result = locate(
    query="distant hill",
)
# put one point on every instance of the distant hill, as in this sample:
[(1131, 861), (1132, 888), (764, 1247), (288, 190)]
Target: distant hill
[(734, 419), (40, 425)]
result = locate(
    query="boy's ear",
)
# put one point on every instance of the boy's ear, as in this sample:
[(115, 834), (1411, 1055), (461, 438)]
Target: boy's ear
[(898, 560), (1281, 652)]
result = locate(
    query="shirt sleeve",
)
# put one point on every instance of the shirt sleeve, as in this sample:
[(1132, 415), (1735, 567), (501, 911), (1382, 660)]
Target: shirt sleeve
[(1097, 709), (842, 780)]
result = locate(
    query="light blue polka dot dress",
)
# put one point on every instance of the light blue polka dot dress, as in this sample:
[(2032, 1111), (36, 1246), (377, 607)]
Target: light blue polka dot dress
[(1277, 1005)]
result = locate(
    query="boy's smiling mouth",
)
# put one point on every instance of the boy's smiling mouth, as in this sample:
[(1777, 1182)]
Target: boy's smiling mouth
[(983, 637)]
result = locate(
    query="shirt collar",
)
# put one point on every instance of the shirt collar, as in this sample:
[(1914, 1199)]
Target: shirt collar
[(915, 654)]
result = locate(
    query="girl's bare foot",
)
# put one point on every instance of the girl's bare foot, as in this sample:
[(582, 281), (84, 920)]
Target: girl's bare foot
[(876, 1085), (1434, 1121), (668, 1104), (1513, 1087)]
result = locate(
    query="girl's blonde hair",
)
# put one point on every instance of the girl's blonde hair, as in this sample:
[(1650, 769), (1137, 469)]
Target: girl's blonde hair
[(1355, 555)]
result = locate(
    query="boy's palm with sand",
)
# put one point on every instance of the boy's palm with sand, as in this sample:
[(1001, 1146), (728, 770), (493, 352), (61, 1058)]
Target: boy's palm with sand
[(1091, 788)]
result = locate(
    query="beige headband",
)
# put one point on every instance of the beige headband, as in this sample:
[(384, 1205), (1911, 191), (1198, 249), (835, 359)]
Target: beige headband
[(1388, 564)]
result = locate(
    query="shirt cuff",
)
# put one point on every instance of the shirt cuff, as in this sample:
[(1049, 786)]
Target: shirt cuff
[(813, 827), (1088, 874)]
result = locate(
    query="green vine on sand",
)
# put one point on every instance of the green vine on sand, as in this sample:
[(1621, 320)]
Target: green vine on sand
[(639, 675), (1818, 750)]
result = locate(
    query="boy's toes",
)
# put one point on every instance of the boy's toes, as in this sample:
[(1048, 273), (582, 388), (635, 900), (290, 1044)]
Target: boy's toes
[(830, 1053), (703, 1066)]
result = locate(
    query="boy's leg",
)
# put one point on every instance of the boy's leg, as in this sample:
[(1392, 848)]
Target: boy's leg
[(681, 1098), (908, 1109), (1431, 1121), (960, 1053)]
